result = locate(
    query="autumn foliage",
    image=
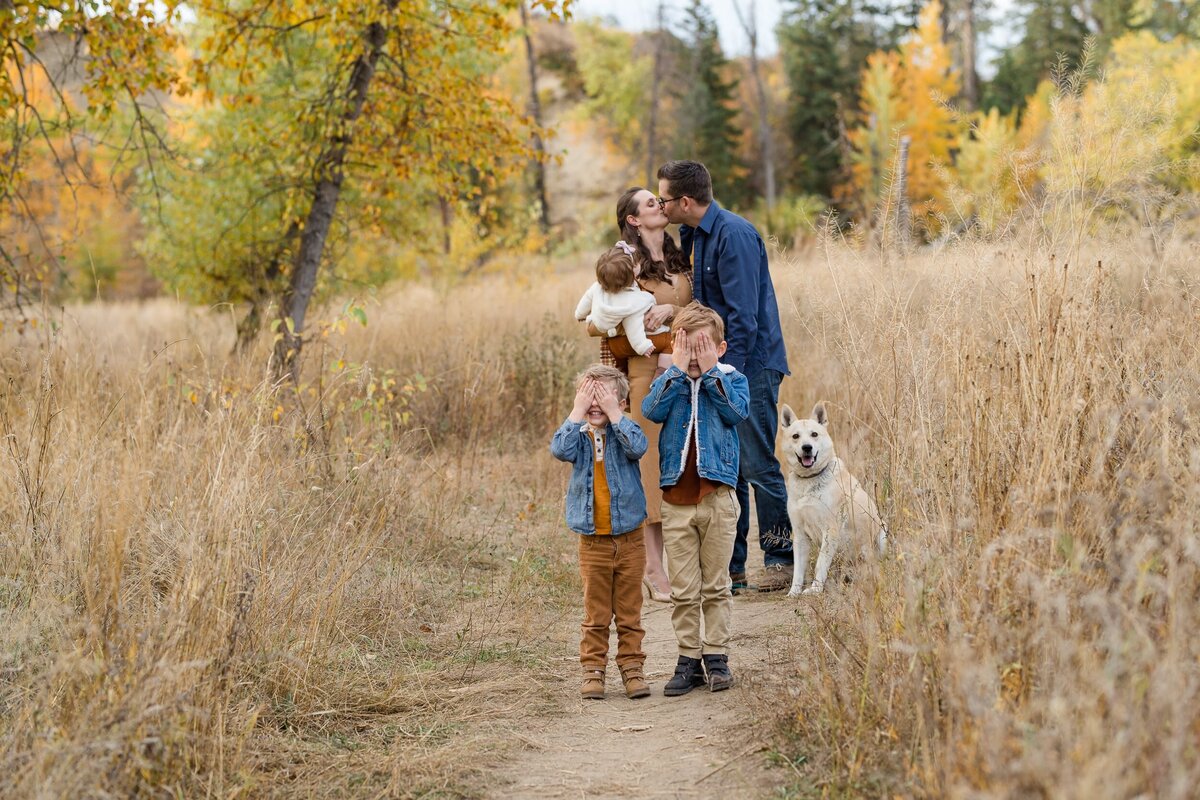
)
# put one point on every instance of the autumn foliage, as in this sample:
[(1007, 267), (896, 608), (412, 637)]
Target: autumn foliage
[(1123, 132), (219, 582), (906, 94)]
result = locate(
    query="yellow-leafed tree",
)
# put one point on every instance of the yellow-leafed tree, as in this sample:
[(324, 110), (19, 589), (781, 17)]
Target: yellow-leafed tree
[(397, 93), (79, 83), (874, 141), (1119, 148), (907, 95), (988, 170), (1170, 70), (927, 84)]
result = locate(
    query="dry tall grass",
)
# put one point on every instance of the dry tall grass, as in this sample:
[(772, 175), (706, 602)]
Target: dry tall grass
[(1030, 428), (212, 587)]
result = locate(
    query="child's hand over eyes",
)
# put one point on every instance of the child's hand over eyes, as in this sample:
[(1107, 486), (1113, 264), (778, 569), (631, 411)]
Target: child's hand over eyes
[(583, 400), (681, 351), (705, 350), (606, 398)]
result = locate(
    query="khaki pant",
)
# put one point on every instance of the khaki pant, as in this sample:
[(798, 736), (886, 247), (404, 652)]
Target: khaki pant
[(699, 542), (611, 568)]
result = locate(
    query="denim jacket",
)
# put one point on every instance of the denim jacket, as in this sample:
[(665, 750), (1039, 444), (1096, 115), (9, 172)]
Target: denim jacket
[(715, 403), (624, 445)]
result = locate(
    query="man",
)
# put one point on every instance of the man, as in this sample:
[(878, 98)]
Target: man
[(731, 276)]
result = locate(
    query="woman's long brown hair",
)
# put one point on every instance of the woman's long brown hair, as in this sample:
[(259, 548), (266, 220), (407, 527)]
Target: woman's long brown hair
[(674, 261)]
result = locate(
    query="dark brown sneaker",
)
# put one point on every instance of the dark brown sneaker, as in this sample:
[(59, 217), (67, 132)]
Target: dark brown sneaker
[(737, 582), (635, 682), (775, 578), (716, 668), (593, 684)]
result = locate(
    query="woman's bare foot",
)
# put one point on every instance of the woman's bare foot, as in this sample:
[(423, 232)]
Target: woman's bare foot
[(655, 578), (652, 586)]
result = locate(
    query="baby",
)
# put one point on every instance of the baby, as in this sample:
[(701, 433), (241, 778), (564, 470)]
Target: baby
[(616, 299)]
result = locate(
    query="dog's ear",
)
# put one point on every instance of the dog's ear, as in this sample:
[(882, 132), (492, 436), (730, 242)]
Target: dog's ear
[(787, 415), (818, 413)]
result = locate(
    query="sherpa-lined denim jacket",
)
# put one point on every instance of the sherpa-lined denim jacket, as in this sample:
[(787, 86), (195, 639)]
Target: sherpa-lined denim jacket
[(624, 445), (714, 403)]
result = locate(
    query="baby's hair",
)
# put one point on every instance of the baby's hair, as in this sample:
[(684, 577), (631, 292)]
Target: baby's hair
[(695, 316), (614, 270), (605, 374)]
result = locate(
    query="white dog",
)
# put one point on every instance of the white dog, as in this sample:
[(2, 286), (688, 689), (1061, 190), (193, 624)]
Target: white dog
[(826, 504)]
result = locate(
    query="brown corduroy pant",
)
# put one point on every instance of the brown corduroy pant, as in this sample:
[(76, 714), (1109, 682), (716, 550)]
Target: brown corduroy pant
[(612, 568)]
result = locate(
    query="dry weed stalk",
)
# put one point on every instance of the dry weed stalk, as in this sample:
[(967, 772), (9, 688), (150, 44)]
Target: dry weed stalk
[(1030, 428), (214, 586), (242, 592)]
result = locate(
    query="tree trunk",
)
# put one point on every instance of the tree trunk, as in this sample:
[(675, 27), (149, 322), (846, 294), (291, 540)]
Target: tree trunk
[(535, 111), (447, 220), (970, 80), (250, 325), (749, 25), (652, 123), (248, 328), (324, 203), (903, 214)]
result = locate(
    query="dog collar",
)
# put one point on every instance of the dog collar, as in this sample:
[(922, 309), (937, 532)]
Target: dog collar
[(824, 469)]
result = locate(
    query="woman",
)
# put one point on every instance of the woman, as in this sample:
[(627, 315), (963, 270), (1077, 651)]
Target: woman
[(663, 270)]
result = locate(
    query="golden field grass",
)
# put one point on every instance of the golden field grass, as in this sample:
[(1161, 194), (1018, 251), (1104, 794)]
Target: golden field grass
[(215, 587)]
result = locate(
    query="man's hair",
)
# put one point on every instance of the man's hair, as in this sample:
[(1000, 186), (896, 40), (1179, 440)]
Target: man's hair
[(605, 374), (614, 270), (695, 316), (687, 179)]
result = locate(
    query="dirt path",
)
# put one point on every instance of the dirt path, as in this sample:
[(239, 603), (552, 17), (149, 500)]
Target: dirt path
[(698, 745)]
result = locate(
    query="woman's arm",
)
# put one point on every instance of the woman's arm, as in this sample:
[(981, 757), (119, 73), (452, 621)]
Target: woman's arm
[(594, 331)]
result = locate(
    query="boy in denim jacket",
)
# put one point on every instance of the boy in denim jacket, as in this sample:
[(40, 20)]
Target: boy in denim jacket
[(699, 402), (606, 506)]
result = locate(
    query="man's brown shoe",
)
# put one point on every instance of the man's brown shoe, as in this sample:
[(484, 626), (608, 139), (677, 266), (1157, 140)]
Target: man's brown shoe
[(635, 682), (737, 581), (775, 577), (593, 684)]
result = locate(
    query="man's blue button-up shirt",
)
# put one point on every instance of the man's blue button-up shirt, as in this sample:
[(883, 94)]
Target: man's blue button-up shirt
[(732, 277)]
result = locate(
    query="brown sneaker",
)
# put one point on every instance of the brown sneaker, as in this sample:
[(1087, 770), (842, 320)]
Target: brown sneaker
[(635, 682), (775, 577), (593, 684), (737, 583)]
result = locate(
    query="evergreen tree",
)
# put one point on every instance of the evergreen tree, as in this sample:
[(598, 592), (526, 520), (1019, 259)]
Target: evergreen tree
[(823, 44), (1170, 18), (1053, 32), (707, 130)]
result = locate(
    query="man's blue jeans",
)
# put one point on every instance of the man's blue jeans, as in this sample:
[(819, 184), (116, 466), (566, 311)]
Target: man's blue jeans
[(759, 467)]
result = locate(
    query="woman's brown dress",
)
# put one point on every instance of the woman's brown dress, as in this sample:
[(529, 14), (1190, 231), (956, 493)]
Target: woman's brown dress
[(677, 292)]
